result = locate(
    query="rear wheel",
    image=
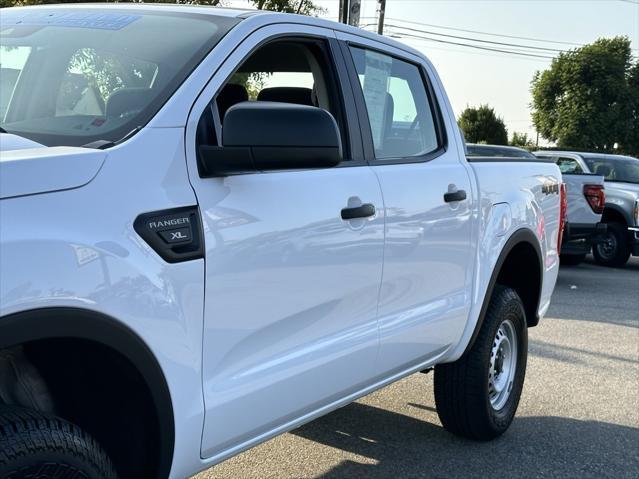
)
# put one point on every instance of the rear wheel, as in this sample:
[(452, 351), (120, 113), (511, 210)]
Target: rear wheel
[(477, 395), (614, 250), (35, 445)]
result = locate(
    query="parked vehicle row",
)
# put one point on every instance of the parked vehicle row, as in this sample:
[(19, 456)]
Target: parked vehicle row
[(187, 273), (620, 212), (603, 201)]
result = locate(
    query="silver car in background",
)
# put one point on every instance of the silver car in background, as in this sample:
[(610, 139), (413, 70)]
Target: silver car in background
[(621, 210)]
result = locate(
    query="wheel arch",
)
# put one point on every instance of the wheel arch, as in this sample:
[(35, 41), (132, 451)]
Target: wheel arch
[(614, 213), (57, 323), (521, 250)]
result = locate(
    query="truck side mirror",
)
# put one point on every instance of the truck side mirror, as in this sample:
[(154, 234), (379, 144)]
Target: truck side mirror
[(267, 136)]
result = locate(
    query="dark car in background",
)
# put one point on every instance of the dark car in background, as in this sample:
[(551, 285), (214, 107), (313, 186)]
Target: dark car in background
[(473, 149)]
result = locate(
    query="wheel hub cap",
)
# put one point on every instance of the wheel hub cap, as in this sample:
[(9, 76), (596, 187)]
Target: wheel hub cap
[(503, 365), (608, 246)]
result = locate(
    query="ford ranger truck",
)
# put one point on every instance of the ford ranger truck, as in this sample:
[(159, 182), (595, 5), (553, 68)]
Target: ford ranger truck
[(620, 240), (217, 225)]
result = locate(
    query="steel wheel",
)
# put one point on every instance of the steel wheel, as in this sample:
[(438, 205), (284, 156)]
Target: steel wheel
[(503, 365), (608, 248)]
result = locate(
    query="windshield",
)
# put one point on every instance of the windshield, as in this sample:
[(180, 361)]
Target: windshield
[(615, 168), (497, 151), (74, 76)]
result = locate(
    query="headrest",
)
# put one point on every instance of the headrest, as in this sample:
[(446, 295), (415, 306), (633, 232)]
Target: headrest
[(231, 94), (603, 170), (128, 100), (285, 94)]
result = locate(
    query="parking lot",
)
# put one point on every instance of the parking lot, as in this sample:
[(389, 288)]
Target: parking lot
[(578, 417)]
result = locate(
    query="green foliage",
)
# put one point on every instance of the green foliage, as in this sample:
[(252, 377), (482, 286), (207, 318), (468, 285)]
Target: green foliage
[(482, 125), (521, 140), (15, 3), (303, 7), (589, 97)]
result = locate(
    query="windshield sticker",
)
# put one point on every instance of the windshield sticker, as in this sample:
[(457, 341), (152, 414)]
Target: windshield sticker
[(98, 21)]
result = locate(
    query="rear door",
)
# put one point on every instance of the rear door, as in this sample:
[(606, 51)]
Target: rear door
[(428, 253), (291, 287)]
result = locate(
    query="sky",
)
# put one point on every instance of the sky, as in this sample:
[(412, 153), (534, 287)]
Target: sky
[(473, 77)]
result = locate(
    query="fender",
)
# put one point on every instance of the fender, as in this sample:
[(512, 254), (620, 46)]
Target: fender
[(518, 237), (58, 322), (620, 210)]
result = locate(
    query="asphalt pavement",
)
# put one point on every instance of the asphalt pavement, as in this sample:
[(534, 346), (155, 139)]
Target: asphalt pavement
[(578, 416)]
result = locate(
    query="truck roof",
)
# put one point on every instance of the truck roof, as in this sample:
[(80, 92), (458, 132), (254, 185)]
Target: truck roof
[(582, 154)]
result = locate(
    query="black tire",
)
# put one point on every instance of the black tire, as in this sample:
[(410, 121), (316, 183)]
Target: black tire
[(615, 251), (461, 388), (572, 259), (38, 445)]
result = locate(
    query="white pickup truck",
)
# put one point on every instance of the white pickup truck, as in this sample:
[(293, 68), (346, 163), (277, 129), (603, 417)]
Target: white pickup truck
[(217, 225)]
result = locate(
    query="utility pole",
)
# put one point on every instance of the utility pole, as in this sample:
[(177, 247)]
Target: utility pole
[(343, 11), (382, 12), (353, 12)]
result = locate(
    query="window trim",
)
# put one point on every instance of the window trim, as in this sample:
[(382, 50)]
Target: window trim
[(352, 143), (364, 123)]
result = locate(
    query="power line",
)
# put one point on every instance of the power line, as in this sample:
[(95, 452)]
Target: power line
[(516, 50), (482, 54), (531, 47), (480, 32), (468, 45)]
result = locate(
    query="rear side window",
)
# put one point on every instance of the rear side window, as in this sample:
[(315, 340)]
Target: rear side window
[(569, 166), (399, 110)]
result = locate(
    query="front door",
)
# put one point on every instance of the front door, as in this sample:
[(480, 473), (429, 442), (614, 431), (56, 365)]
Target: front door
[(291, 287)]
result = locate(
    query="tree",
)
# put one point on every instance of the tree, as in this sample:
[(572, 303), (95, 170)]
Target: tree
[(521, 140), (589, 97), (303, 7), (482, 125)]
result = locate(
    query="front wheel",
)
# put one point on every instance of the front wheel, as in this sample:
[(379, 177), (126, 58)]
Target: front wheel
[(35, 445), (477, 395), (614, 250)]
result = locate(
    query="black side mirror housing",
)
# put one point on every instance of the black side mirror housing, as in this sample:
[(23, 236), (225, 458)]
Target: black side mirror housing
[(266, 136)]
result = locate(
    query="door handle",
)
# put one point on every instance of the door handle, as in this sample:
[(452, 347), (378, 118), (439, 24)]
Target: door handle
[(364, 211), (459, 195)]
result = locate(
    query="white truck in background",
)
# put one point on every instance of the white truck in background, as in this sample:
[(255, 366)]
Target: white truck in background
[(619, 240), (586, 197), (187, 273)]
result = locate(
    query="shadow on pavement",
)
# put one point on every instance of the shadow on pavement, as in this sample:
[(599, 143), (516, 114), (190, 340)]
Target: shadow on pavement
[(572, 355), (404, 447), (589, 292)]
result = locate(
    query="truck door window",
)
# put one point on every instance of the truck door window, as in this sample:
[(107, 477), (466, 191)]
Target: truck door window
[(399, 111), (288, 71), (569, 166)]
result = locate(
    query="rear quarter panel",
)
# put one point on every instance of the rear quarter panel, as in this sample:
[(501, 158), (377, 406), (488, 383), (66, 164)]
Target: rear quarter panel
[(513, 196)]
